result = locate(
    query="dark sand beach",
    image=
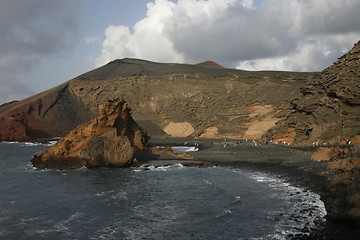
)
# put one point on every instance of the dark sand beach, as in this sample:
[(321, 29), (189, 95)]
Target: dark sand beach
[(288, 162)]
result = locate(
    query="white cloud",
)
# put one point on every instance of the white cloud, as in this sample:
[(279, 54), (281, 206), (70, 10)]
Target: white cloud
[(147, 39), (297, 35), (312, 54)]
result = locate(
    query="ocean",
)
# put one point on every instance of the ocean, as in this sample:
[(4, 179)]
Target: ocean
[(173, 202)]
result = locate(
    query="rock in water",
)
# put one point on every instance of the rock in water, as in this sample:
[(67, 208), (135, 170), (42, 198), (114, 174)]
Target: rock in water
[(110, 140)]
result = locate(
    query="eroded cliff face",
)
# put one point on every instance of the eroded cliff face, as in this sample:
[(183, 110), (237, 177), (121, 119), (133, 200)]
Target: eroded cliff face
[(328, 111), (110, 140), (49, 114)]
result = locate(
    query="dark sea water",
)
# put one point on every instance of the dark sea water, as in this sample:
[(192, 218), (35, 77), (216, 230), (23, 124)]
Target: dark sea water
[(173, 202)]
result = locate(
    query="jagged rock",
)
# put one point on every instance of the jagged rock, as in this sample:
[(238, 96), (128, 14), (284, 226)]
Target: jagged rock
[(109, 140)]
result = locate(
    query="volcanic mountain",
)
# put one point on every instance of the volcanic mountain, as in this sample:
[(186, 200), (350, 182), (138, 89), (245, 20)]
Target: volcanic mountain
[(167, 100), (200, 101)]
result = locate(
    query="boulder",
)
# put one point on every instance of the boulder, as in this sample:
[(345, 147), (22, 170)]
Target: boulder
[(110, 140)]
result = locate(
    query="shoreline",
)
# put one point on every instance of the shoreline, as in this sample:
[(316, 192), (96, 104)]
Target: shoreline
[(291, 163)]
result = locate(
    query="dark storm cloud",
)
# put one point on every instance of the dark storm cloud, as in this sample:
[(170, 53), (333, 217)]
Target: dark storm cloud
[(32, 30)]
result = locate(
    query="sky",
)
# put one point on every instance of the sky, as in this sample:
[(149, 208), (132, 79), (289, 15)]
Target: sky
[(45, 43)]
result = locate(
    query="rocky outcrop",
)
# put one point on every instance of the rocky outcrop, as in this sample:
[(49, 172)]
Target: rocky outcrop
[(329, 109), (12, 130), (328, 153), (110, 140), (342, 198)]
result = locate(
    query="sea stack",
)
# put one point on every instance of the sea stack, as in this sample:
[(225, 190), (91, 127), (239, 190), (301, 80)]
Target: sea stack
[(110, 140)]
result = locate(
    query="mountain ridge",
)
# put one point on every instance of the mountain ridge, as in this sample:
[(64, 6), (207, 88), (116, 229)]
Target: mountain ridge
[(164, 96)]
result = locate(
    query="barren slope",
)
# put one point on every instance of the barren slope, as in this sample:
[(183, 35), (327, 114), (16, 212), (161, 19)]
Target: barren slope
[(177, 100), (328, 111)]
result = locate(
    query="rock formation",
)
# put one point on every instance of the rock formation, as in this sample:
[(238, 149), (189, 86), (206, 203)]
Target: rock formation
[(110, 140), (328, 111), (342, 199), (49, 114)]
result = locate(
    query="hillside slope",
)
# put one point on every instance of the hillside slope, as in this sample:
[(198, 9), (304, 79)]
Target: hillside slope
[(328, 111), (176, 100)]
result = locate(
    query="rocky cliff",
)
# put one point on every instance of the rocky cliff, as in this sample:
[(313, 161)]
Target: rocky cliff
[(49, 114), (110, 140), (328, 113), (328, 110)]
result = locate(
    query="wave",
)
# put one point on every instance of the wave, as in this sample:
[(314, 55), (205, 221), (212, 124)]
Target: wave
[(184, 149), (159, 168), (30, 144), (307, 209)]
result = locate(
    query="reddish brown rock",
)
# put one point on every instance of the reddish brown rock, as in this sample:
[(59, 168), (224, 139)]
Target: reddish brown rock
[(49, 114), (12, 130), (328, 153), (346, 164), (110, 140), (210, 64)]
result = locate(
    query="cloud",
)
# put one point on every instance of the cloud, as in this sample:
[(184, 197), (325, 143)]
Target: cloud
[(297, 35), (146, 40), (311, 54), (11, 89), (92, 40), (31, 31)]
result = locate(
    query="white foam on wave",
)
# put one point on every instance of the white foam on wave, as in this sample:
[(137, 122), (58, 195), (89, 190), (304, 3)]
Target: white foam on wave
[(306, 207), (31, 144), (174, 166), (109, 196), (237, 198), (184, 149), (207, 182), (9, 142), (159, 168)]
